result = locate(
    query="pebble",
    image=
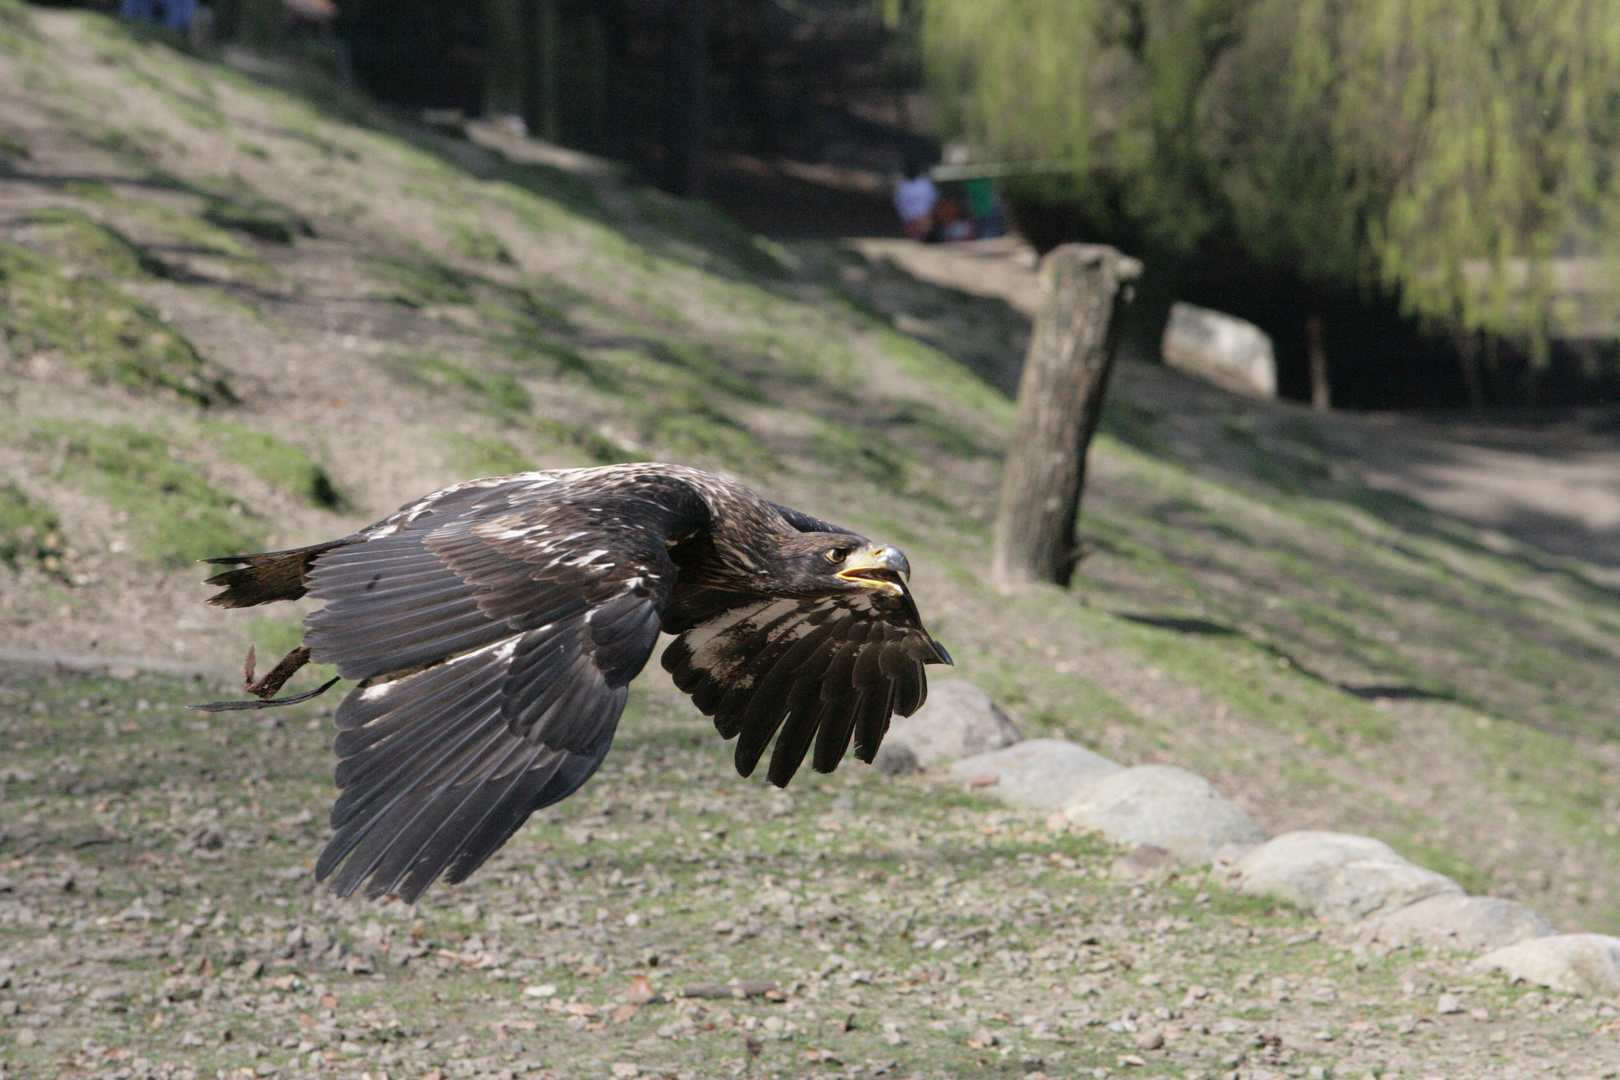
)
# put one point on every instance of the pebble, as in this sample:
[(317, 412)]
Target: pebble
[(1142, 863), (1448, 1005), (1336, 875), (1165, 806), (1037, 774), (958, 720)]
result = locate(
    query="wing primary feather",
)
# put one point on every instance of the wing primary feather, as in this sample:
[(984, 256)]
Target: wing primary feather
[(809, 712), (832, 741), (363, 843), (911, 689), (873, 721), (838, 717), (421, 853)]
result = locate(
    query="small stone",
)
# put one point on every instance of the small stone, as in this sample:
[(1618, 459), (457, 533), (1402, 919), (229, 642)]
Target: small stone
[(1415, 981), (1448, 1005), (1151, 1039), (1141, 863)]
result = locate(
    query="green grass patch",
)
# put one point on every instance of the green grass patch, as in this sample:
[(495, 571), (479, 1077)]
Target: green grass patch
[(474, 241), (277, 462), (29, 532), (496, 392), (174, 514), (117, 339), (482, 455), (85, 245), (419, 282), (233, 204)]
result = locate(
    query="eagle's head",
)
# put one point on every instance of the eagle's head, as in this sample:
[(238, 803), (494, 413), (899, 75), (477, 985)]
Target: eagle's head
[(832, 564)]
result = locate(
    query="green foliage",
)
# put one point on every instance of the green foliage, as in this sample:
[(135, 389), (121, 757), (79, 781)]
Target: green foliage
[(175, 515), (1443, 150), (46, 307)]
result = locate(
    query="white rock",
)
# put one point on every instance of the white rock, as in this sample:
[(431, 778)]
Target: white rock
[(1224, 349), (895, 759), (958, 720), (1336, 875), (1573, 963), (1036, 774), (1164, 806), (1462, 922)]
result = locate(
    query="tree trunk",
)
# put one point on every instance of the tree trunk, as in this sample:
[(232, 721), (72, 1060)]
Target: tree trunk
[(1468, 359), (687, 57), (1060, 398), (504, 61), (543, 108), (1317, 359)]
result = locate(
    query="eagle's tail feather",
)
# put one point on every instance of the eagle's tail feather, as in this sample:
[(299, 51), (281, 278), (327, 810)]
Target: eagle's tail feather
[(272, 575)]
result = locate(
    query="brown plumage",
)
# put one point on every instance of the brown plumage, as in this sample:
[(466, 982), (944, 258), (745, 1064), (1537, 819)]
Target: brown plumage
[(495, 626)]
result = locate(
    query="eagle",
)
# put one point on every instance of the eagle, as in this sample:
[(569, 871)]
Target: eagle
[(494, 628)]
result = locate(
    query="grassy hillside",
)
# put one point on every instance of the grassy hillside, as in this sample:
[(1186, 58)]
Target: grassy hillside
[(241, 308)]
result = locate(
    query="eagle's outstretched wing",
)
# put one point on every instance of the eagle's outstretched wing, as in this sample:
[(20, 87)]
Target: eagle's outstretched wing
[(498, 631), (822, 671)]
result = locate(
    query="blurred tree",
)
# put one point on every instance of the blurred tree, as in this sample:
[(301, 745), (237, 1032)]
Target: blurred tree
[(1447, 152)]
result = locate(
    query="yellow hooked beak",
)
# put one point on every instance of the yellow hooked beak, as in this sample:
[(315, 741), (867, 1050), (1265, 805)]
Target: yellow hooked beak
[(878, 567)]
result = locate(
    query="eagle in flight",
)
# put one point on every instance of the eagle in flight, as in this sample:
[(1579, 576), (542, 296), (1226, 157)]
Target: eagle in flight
[(494, 628)]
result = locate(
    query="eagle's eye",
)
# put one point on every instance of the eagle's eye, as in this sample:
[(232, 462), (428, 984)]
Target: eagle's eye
[(838, 554)]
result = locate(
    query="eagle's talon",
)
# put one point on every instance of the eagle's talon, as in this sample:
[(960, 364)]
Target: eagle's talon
[(277, 676)]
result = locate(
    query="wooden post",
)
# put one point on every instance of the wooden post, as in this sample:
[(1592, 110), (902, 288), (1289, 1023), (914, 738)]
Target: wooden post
[(1060, 396), (1316, 358)]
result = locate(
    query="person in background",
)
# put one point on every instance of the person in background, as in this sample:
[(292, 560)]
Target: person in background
[(175, 14), (984, 207), (914, 199)]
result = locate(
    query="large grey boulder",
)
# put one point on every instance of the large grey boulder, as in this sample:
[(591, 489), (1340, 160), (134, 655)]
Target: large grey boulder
[(1222, 349), (1336, 875), (1573, 963), (1036, 774), (958, 720), (1460, 922), (1166, 807)]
